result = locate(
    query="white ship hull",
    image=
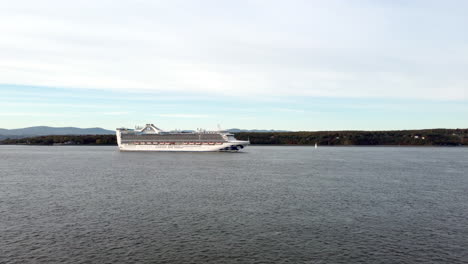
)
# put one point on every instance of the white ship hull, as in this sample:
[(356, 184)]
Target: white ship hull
[(189, 148)]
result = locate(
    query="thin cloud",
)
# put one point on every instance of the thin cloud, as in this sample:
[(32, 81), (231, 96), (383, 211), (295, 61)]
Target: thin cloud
[(52, 104), (357, 54), (183, 115), (115, 113), (290, 110), (35, 114)]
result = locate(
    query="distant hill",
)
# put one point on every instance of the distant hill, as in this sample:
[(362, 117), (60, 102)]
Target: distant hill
[(50, 131), (423, 137), (46, 131)]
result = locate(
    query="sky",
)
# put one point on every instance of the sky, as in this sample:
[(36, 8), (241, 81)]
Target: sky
[(291, 65)]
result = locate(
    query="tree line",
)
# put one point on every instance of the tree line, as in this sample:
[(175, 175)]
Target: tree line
[(427, 137), (64, 140)]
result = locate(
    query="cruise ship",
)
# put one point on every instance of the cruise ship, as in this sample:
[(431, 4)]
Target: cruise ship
[(151, 138)]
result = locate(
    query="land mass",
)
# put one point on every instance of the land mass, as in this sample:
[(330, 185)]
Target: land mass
[(426, 137), (48, 131)]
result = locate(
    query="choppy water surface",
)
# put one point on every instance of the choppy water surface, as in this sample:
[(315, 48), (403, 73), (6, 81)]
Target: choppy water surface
[(271, 204)]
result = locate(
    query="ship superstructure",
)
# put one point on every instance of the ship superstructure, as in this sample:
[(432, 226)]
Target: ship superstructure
[(151, 138)]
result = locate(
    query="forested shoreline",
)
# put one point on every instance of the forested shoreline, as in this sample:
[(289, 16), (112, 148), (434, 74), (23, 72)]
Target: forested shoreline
[(63, 140), (427, 137)]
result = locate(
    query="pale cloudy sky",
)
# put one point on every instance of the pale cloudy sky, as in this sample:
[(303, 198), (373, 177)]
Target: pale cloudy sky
[(298, 65)]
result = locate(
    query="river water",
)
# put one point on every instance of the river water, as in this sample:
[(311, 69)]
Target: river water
[(270, 204)]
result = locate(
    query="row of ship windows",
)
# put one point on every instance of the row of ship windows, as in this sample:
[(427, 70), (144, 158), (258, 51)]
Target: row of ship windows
[(174, 140), (174, 143), (175, 137)]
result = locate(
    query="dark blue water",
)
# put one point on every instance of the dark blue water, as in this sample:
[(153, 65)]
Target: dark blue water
[(83, 204)]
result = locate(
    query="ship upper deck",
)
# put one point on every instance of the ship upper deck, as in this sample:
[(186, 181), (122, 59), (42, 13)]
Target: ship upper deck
[(163, 137)]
